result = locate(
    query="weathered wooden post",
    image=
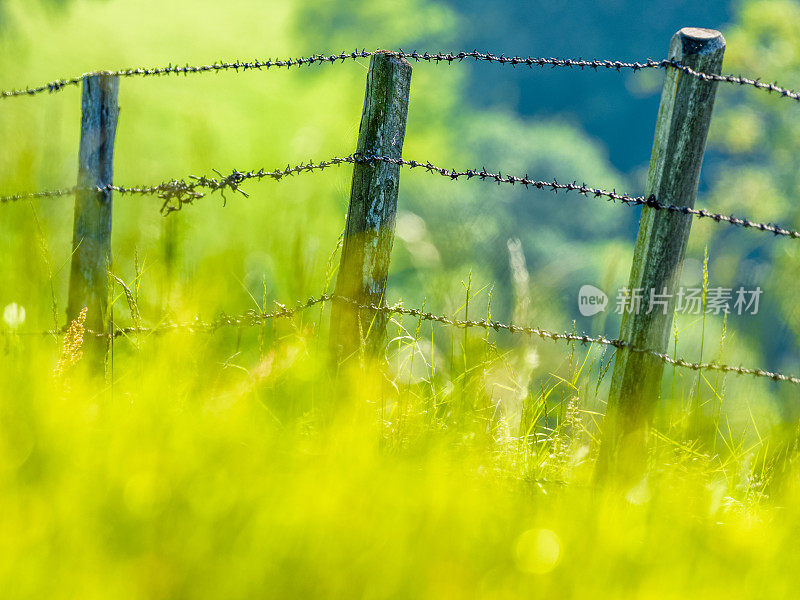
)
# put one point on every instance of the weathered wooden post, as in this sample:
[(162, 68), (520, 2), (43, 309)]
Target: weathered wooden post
[(680, 138), (369, 231), (91, 240)]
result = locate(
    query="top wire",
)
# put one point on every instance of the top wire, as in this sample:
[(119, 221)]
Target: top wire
[(436, 57)]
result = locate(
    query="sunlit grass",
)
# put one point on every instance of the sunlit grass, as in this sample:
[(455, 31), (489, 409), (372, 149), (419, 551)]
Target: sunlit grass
[(207, 467)]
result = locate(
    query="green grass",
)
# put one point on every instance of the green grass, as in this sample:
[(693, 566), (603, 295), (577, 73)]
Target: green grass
[(206, 468)]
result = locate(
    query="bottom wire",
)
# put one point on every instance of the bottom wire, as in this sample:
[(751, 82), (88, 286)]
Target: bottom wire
[(253, 318)]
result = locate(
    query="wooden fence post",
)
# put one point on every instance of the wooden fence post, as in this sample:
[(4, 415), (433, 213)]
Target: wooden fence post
[(91, 240), (680, 138), (369, 232)]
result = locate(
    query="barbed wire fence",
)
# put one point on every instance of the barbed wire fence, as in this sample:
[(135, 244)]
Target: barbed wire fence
[(177, 193)]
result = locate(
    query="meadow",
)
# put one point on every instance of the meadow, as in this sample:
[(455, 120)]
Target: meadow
[(241, 463)]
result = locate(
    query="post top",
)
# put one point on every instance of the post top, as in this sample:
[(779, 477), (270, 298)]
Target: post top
[(696, 41), (392, 56), (700, 33)]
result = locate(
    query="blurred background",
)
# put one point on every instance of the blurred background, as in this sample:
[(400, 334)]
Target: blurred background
[(529, 251)]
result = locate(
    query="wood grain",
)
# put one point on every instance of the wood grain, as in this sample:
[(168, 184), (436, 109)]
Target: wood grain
[(682, 126), (91, 242), (369, 232)]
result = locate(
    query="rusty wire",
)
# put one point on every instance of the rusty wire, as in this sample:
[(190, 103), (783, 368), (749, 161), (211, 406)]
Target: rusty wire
[(249, 318), (178, 192), (254, 65), (35, 195), (570, 337), (582, 188), (252, 318), (434, 57), (736, 79)]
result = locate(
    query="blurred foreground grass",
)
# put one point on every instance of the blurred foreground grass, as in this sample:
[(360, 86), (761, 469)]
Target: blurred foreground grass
[(262, 475)]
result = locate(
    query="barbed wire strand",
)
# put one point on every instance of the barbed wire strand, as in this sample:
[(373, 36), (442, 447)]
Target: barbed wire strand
[(434, 57), (35, 195), (738, 80), (254, 317), (178, 193), (571, 337)]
